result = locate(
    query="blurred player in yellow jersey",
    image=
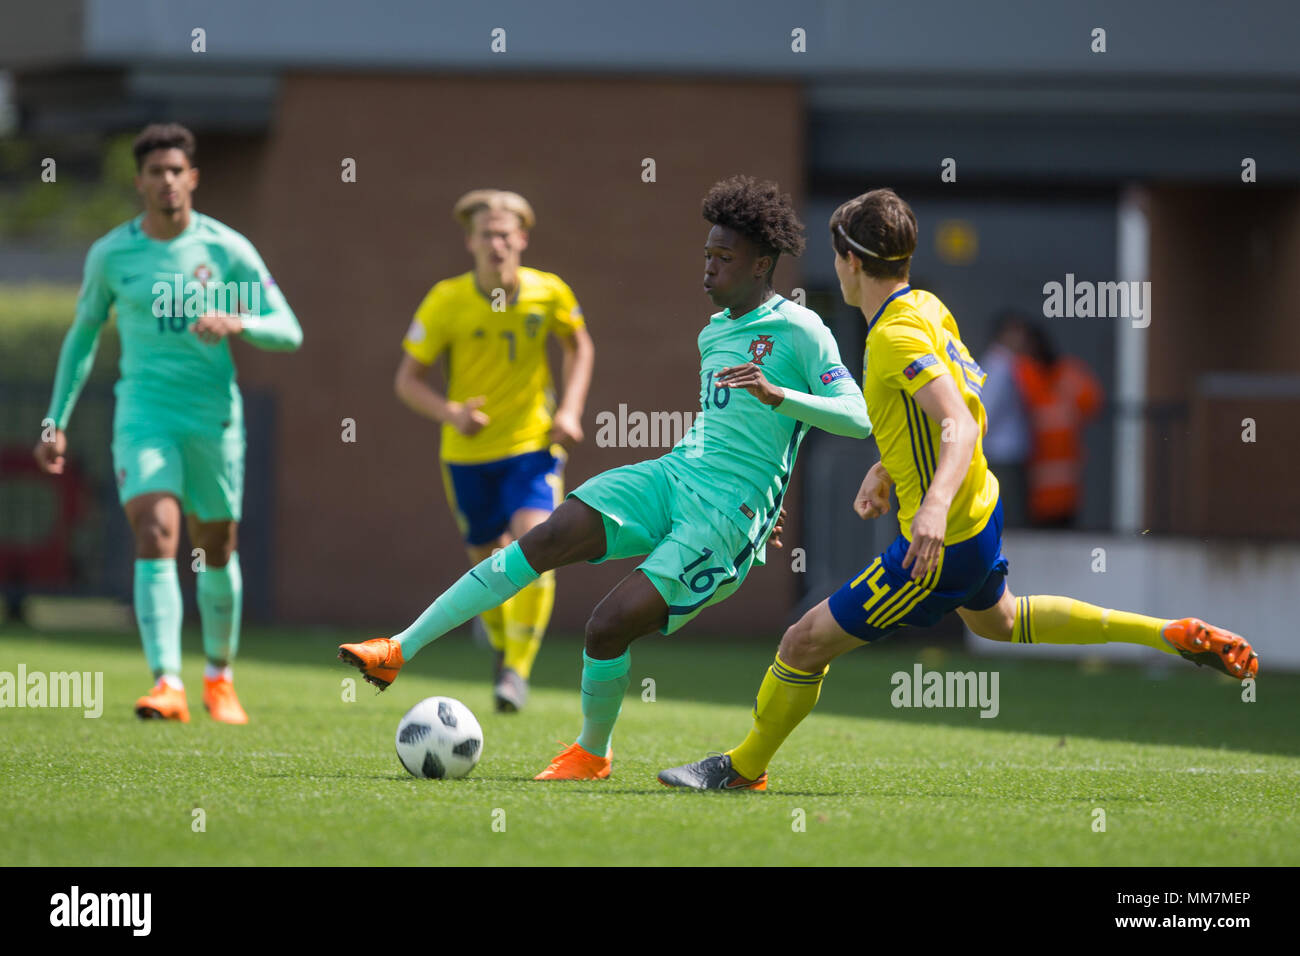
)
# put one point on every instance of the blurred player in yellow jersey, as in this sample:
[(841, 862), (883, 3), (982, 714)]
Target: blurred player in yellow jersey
[(503, 438), (923, 396)]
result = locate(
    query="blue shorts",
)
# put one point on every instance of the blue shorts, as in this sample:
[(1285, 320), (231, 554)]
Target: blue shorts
[(883, 598), (485, 496)]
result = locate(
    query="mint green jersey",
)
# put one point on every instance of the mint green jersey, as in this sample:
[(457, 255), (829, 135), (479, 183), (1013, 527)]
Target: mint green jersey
[(739, 453), (158, 290)]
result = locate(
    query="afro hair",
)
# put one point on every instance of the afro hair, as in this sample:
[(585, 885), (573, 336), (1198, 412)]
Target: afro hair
[(759, 211)]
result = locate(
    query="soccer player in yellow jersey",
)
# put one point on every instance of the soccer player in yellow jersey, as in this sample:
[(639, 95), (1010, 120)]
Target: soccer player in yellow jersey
[(503, 439), (923, 396)]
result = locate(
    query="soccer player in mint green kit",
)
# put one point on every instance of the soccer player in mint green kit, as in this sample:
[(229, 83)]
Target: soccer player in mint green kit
[(181, 284), (701, 514)]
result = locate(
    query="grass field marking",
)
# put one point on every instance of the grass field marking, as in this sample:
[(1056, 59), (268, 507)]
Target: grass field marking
[(57, 689)]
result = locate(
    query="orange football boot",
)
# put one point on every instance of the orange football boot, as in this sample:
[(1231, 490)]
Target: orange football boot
[(379, 659), (164, 702), (574, 763), (220, 700), (1203, 644)]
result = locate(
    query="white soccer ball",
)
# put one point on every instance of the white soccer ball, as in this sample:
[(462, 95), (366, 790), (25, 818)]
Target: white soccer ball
[(439, 738)]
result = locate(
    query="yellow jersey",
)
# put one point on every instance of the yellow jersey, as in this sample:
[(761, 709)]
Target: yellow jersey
[(500, 355), (912, 340)]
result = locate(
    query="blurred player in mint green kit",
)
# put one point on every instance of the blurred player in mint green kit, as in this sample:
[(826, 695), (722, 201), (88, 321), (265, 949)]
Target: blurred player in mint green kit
[(180, 284), (701, 515)]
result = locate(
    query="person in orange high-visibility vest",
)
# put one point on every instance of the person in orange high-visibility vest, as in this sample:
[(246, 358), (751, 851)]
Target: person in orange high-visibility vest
[(1061, 395)]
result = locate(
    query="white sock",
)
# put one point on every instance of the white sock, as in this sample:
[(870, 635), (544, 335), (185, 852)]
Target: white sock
[(172, 681), (212, 672)]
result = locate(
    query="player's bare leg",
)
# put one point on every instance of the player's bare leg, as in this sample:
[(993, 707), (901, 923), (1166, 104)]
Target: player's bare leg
[(816, 639), (1045, 619), (573, 532), (633, 609), (155, 520), (787, 695), (220, 598), (997, 623)]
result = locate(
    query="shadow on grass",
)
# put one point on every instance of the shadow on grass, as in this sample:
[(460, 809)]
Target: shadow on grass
[(1185, 706)]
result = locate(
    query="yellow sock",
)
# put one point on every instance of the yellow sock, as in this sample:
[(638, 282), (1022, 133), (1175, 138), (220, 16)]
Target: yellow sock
[(785, 698), (494, 622), (526, 617), (1047, 619)]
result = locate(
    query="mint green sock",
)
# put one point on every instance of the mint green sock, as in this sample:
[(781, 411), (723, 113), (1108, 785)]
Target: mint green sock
[(603, 686), (158, 611), (221, 598), (492, 581)]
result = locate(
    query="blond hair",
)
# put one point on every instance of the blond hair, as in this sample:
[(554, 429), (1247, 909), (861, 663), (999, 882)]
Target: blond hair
[(496, 200)]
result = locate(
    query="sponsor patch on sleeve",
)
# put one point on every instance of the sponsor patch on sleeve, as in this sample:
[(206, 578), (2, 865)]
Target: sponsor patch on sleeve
[(416, 332), (831, 374), (925, 361)]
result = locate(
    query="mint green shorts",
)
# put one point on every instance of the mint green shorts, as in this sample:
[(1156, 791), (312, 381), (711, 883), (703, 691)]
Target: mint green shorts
[(205, 471), (694, 556)]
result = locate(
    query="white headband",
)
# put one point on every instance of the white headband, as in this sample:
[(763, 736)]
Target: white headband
[(874, 255)]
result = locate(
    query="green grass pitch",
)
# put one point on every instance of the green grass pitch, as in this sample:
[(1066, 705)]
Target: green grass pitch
[(1186, 773)]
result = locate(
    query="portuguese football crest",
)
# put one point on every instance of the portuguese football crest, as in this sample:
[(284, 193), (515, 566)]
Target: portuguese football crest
[(761, 348), (203, 273)]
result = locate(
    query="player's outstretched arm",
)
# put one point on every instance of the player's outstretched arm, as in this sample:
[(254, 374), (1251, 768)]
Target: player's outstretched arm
[(276, 329), (267, 323), (842, 412)]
